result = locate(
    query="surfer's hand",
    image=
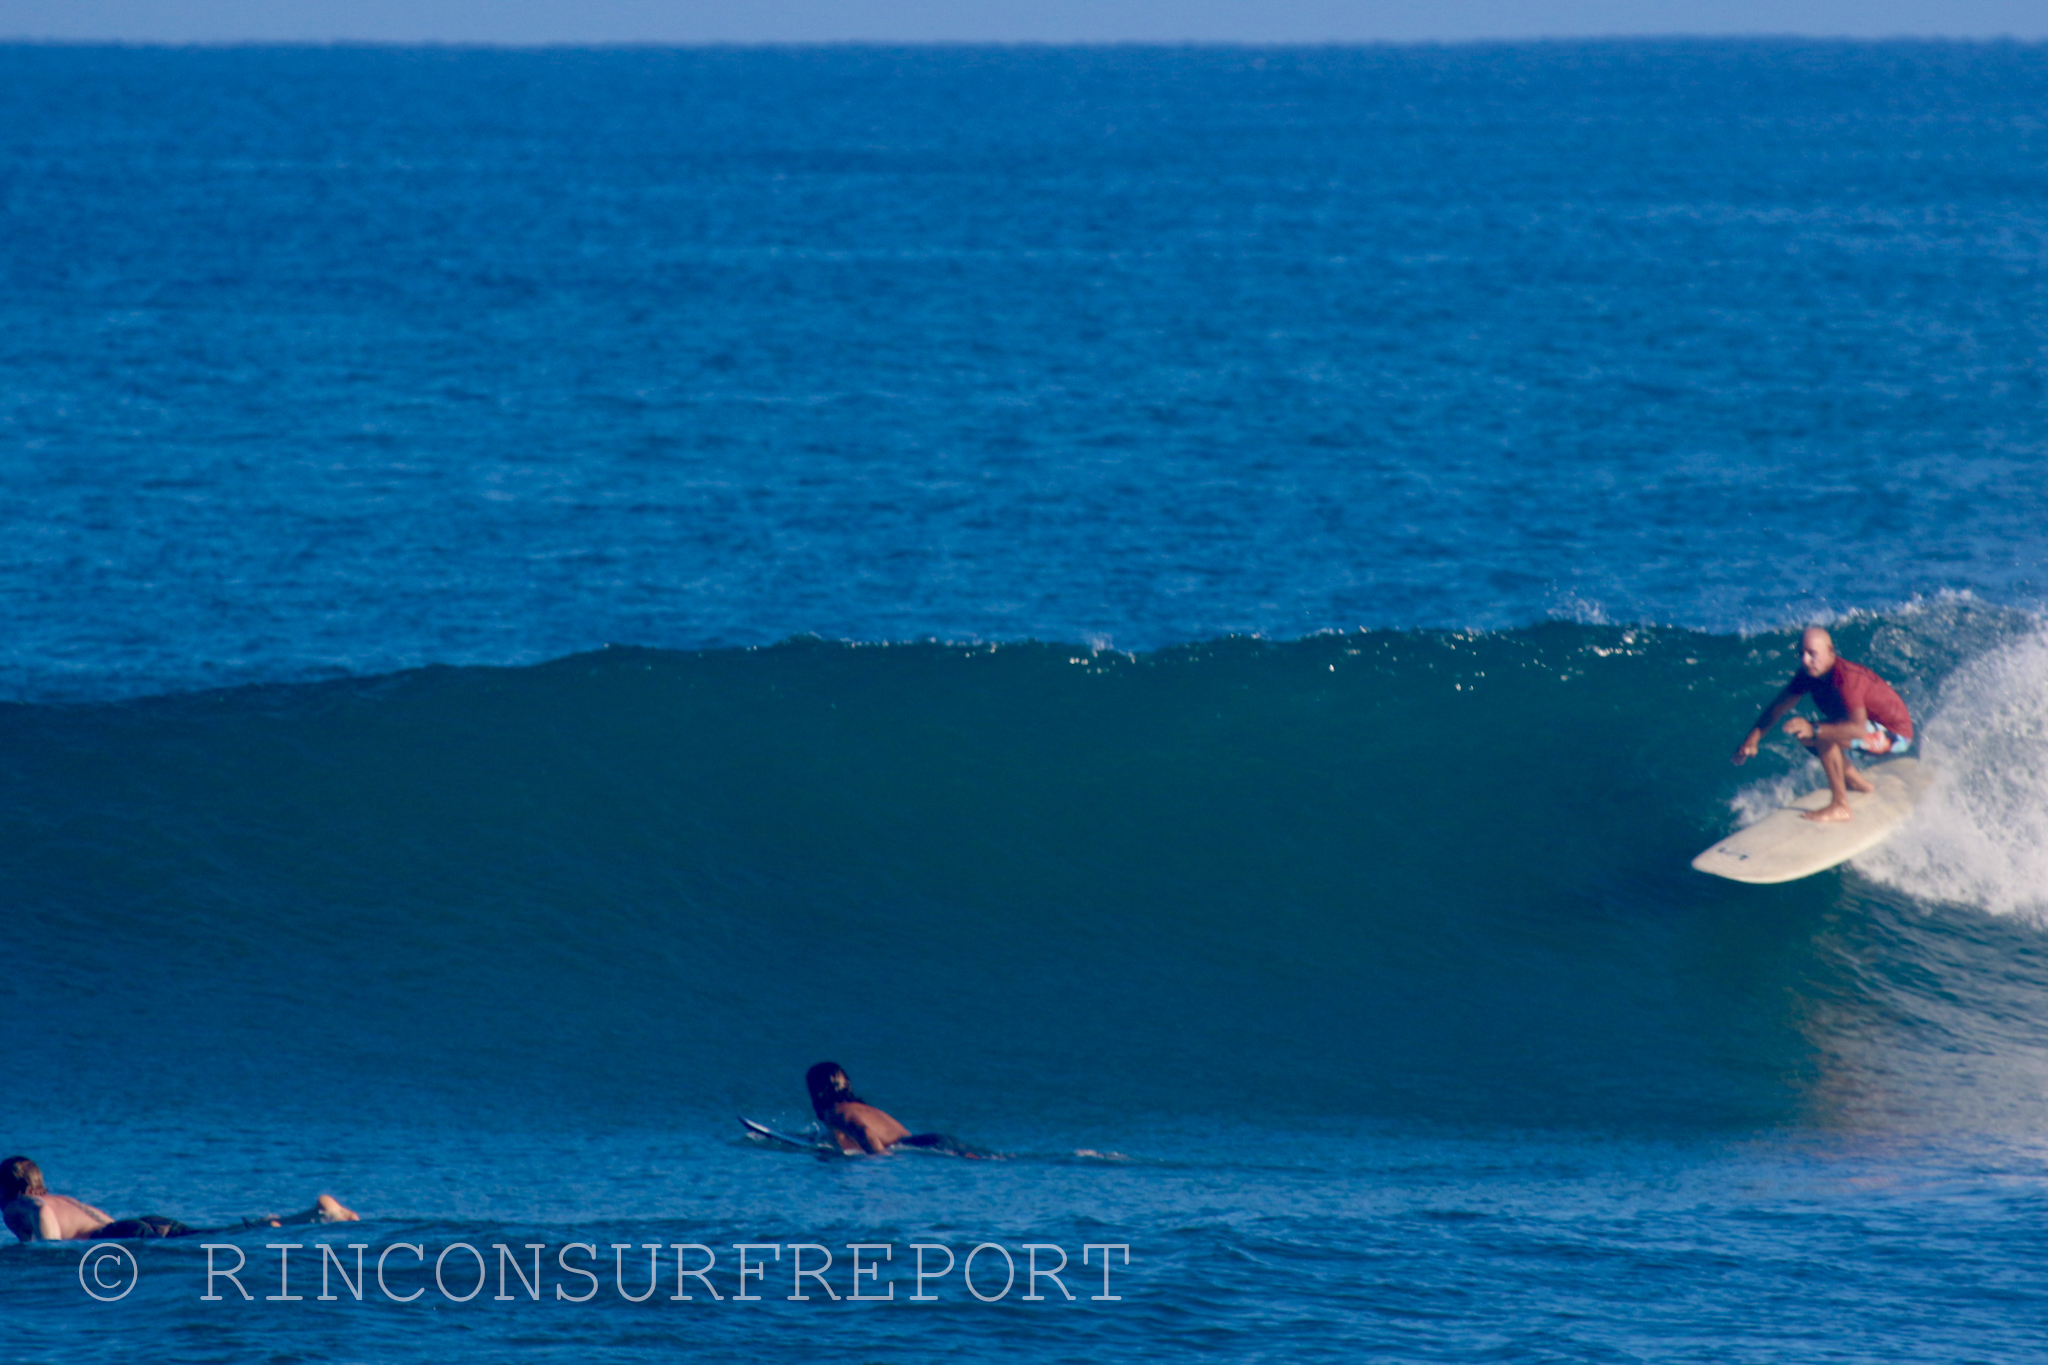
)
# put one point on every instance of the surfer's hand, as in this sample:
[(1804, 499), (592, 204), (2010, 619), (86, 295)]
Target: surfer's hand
[(1746, 750), (1799, 728)]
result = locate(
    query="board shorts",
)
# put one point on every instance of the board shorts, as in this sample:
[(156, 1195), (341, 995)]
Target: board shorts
[(149, 1225), (1878, 740)]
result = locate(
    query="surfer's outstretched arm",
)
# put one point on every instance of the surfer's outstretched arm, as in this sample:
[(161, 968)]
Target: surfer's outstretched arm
[(1786, 699)]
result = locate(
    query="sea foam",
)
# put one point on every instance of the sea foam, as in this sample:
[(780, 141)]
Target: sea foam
[(1980, 836)]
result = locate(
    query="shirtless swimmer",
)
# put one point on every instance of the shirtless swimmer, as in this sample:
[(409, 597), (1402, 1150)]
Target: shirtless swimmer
[(858, 1125), (34, 1214)]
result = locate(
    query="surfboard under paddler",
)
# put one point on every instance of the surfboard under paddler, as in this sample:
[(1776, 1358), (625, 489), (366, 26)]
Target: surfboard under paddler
[(761, 1132)]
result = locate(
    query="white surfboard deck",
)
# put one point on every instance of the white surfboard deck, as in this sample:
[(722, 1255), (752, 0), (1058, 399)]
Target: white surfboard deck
[(761, 1132), (1785, 846)]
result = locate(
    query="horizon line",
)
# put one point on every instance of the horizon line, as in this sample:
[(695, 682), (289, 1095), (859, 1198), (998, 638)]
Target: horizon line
[(668, 44)]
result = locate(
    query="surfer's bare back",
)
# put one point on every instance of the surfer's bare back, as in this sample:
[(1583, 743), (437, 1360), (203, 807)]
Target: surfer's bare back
[(1858, 710), (857, 1125), (860, 1127)]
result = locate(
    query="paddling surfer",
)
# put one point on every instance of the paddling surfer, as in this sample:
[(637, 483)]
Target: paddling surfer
[(34, 1214), (858, 1125), (1858, 710)]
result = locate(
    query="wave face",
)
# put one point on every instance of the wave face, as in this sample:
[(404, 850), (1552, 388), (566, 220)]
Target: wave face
[(1396, 876)]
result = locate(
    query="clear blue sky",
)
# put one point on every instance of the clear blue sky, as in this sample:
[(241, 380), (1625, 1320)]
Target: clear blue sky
[(752, 21)]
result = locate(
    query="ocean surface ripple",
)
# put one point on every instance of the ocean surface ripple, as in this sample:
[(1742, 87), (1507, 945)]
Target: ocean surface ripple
[(341, 361)]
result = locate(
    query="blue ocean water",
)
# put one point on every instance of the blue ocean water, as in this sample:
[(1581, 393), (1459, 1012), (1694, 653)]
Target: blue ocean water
[(1181, 612)]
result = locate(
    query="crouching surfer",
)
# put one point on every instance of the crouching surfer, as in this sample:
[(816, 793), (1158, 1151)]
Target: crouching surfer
[(1858, 710), (35, 1215), (858, 1125)]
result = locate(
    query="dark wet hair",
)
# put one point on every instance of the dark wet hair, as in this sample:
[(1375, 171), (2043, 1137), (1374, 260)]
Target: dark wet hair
[(20, 1176), (819, 1080)]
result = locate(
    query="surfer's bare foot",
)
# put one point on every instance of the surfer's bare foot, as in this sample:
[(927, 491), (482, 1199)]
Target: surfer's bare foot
[(1857, 781), (327, 1210), (1831, 814), (331, 1211)]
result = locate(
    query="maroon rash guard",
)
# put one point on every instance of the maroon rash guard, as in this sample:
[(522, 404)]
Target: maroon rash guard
[(1847, 686)]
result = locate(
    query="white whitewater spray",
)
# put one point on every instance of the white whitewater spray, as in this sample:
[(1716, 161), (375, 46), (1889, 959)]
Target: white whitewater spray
[(1753, 802), (1980, 835)]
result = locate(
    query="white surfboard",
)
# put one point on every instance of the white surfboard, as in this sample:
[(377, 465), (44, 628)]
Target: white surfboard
[(1785, 846), (761, 1132)]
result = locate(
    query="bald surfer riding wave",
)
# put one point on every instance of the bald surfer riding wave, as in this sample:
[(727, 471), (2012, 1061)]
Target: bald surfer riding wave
[(1858, 711)]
